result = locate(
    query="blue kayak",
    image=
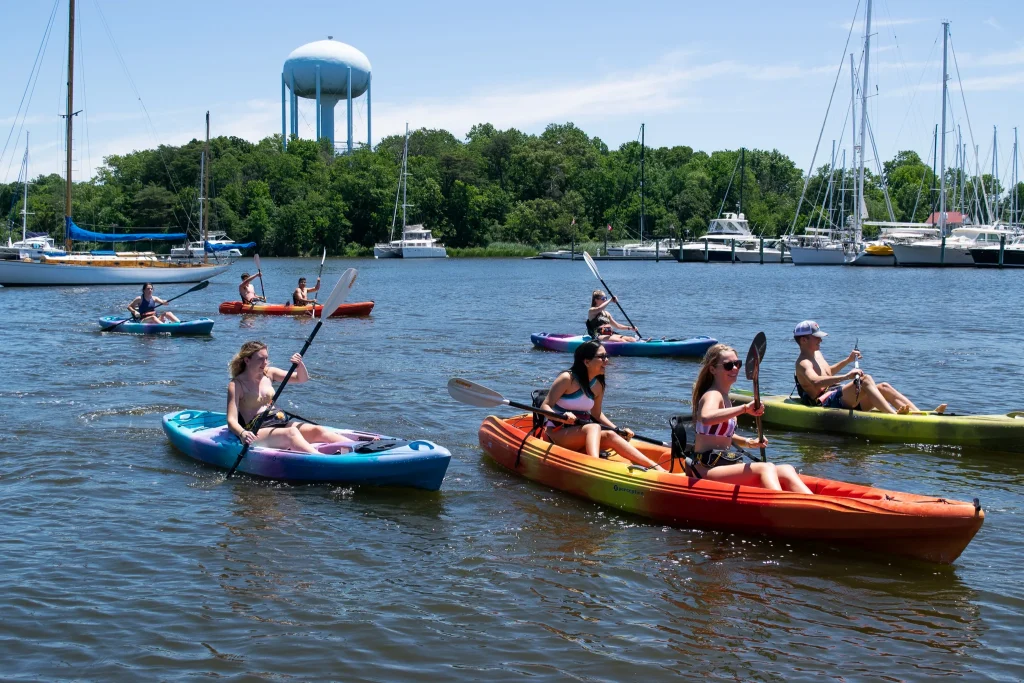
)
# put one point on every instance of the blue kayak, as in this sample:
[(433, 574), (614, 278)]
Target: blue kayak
[(694, 346), (190, 327), (362, 458)]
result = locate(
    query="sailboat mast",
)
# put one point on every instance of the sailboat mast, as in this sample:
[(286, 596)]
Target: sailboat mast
[(24, 201), (743, 152), (942, 147), (206, 190), (995, 176), (68, 115), (405, 179), (863, 123), (642, 183), (853, 139)]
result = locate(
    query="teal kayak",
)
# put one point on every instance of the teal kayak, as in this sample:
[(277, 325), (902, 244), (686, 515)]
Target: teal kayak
[(199, 326)]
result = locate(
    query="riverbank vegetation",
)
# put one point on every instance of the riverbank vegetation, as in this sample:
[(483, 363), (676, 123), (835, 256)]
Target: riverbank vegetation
[(496, 192)]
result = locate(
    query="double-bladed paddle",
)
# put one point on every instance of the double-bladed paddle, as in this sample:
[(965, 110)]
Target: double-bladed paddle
[(471, 393), (856, 380), (202, 285), (593, 269), (754, 356), (337, 297), (256, 258)]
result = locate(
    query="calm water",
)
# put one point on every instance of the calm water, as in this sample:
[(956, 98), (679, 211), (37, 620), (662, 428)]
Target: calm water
[(123, 560)]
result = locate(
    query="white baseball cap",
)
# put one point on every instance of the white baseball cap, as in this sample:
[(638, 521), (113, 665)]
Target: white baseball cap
[(808, 328)]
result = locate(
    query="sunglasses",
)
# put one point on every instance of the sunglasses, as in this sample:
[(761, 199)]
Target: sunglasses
[(732, 364), (601, 357)]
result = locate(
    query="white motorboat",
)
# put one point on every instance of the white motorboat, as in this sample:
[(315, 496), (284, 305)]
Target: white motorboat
[(657, 249), (817, 247), (717, 244), (957, 248), (416, 241), (1013, 254), (880, 251), (196, 251)]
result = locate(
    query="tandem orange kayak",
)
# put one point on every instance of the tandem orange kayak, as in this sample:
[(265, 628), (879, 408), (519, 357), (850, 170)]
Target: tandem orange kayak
[(922, 527), (237, 307)]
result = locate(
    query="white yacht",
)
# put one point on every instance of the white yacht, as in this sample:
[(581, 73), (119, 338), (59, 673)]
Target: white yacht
[(716, 245), (958, 247), (817, 247), (645, 250), (880, 251), (416, 241)]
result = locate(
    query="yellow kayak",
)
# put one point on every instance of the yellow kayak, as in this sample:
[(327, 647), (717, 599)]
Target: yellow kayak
[(997, 432)]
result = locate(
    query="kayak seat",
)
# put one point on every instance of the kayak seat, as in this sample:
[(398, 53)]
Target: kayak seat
[(379, 445)]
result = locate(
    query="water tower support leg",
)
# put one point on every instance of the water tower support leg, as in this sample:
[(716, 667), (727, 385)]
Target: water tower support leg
[(284, 115), (319, 129), (295, 108), (369, 118), (349, 143)]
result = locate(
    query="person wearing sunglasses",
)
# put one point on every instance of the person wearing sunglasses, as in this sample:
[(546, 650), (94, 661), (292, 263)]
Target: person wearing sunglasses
[(578, 393), (817, 383), (600, 322), (715, 427)]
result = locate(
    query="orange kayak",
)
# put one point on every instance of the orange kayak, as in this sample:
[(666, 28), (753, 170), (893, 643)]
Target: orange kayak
[(237, 307), (923, 527)]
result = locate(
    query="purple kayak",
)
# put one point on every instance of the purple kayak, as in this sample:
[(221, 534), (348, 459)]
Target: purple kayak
[(694, 346)]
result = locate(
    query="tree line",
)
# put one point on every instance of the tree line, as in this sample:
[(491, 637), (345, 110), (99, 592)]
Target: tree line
[(494, 186)]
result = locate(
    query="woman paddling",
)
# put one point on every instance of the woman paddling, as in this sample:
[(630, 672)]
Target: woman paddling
[(600, 322), (715, 425), (578, 393), (249, 394), (143, 307)]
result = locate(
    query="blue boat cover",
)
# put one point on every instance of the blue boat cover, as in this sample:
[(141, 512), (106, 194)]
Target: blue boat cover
[(81, 235), (210, 248)]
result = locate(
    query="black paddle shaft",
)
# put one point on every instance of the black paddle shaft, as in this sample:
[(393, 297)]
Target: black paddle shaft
[(609, 290), (754, 356), (255, 428)]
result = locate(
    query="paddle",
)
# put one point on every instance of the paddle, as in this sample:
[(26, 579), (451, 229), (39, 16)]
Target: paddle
[(471, 393), (593, 269), (202, 285), (322, 259), (256, 258), (341, 290), (754, 356), (856, 380)]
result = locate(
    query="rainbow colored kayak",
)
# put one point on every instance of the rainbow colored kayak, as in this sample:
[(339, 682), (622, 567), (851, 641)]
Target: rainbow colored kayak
[(363, 458), (994, 432), (199, 326), (695, 346), (923, 527)]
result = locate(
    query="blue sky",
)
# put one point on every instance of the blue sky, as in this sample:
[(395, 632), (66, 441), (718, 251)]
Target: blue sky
[(709, 75)]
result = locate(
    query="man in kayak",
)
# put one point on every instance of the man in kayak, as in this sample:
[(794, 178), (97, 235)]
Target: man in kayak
[(818, 385), (300, 297), (247, 291)]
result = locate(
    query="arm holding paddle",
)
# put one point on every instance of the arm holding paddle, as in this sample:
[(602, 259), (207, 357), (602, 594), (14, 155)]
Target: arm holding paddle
[(852, 358)]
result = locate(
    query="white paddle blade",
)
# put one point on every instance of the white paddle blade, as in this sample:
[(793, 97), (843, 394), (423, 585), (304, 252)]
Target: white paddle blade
[(591, 265), (323, 258), (339, 293), (256, 259), (471, 393)]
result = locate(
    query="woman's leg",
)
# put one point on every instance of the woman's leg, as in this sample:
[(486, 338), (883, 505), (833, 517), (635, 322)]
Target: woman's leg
[(613, 441), (284, 438), (319, 434), (790, 479), (761, 474), (570, 438), (170, 317)]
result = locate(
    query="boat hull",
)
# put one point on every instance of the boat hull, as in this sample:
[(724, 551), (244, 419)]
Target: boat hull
[(344, 310), (922, 527), (567, 343), (33, 274), (922, 255), (811, 256), (993, 432), (989, 256), (197, 327), (754, 256), (204, 436), (715, 254), (875, 260)]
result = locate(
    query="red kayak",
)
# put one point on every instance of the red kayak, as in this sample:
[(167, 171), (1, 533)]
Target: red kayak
[(237, 307)]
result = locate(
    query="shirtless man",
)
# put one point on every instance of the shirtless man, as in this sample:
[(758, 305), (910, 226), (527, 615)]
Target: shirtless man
[(247, 291), (300, 297), (818, 385)]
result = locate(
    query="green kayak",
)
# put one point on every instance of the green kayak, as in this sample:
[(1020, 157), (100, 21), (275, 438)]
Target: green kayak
[(996, 432)]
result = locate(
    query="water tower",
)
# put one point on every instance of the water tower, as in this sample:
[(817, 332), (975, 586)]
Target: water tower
[(328, 71)]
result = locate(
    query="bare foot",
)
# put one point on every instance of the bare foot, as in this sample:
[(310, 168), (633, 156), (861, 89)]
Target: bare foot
[(941, 409), (903, 410)]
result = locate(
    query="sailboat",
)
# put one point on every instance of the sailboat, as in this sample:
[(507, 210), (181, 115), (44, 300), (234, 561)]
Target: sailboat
[(31, 245), (416, 241), (105, 267)]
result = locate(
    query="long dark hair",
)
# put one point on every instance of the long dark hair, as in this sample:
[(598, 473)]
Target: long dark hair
[(584, 352), (144, 285)]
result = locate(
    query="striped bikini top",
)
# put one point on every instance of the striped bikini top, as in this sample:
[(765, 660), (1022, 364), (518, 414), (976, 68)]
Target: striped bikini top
[(727, 428), (577, 401)]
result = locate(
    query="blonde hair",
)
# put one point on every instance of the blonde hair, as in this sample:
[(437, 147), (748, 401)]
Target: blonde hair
[(704, 377), (236, 365), (593, 297)]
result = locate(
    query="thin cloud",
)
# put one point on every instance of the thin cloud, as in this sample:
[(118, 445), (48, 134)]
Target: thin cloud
[(1007, 58), (878, 24)]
